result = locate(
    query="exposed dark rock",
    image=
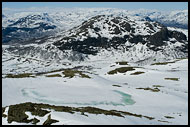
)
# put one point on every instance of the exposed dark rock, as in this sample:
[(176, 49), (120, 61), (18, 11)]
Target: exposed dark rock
[(19, 35), (122, 63), (3, 110), (17, 112), (116, 20), (158, 38), (116, 30), (49, 121), (96, 29), (35, 121), (179, 36), (126, 26), (136, 39), (149, 25), (86, 45)]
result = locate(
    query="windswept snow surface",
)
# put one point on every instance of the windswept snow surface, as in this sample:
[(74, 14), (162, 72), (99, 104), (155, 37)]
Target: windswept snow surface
[(99, 91)]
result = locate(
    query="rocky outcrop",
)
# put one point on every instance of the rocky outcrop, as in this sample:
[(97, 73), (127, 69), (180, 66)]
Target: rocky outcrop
[(113, 27), (49, 121), (158, 38), (179, 36)]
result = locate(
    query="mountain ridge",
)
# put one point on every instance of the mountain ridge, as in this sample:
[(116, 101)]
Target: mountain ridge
[(64, 19), (108, 36)]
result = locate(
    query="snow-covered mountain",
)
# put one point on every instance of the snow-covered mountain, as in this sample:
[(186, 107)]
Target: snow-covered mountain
[(29, 27), (178, 18), (112, 32), (17, 25), (77, 36), (109, 36)]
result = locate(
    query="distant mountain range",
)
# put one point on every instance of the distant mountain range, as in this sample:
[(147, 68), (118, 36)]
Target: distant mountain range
[(26, 25), (81, 35)]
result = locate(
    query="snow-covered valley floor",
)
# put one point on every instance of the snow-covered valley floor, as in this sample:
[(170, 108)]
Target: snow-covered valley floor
[(161, 92)]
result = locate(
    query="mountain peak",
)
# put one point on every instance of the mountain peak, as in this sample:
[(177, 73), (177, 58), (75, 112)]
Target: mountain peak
[(110, 31)]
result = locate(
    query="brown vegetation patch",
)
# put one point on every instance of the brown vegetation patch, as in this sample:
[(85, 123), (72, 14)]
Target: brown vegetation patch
[(24, 75), (174, 79), (116, 85), (121, 70), (165, 63), (137, 73), (169, 117), (71, 73), (54, 75), (153, 90), (17, 112)]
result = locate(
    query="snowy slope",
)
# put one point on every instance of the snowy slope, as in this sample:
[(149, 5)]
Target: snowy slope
[(99, 91)]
